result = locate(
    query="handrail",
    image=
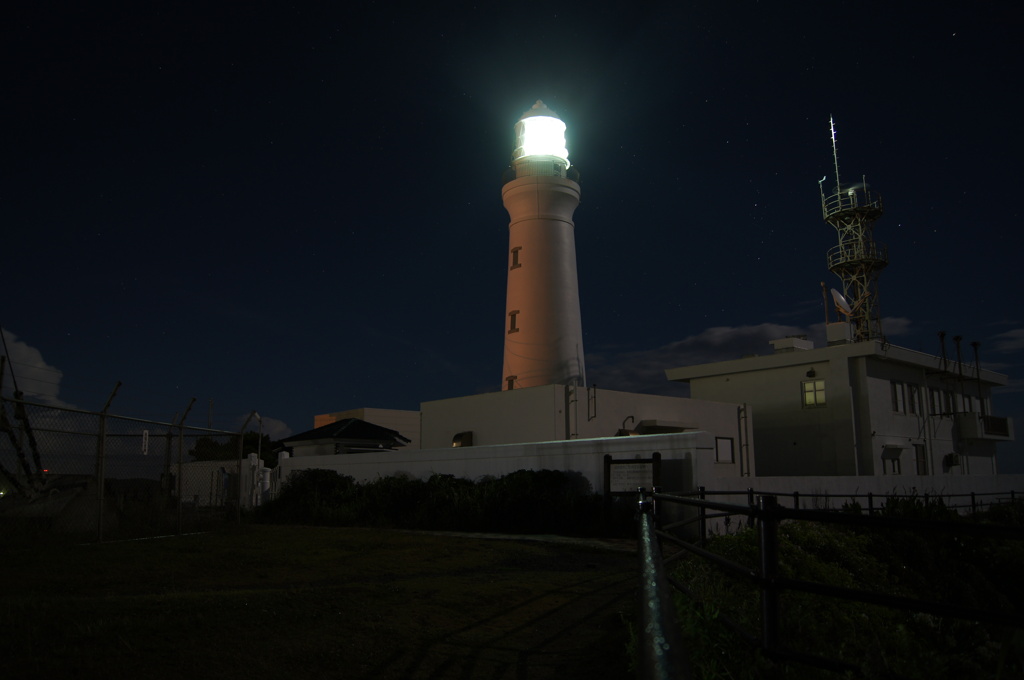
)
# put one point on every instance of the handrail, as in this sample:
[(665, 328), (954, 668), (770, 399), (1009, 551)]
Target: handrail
[(662, 649), (976, 498)]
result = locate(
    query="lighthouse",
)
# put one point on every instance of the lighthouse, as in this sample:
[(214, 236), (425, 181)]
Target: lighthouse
[(543, 331)]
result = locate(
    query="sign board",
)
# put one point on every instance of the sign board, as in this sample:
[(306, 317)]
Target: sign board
[(628, 477), (624, 477)]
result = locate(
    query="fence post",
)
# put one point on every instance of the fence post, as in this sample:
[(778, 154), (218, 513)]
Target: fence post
[(101, 454), (241, 454), (769, 539), (181, 454), (750, 504), (796, 500), (101, 463), (974, 504), (702, 513), (871, 503)]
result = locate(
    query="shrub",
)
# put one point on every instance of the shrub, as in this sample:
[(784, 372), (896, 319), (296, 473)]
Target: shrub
[(881, 641), (311, 497), (526, 501)]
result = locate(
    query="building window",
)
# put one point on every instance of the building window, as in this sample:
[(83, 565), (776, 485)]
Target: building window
[(724, 450), (891, 460), (515, 258), (914, 400), (512, 319), (510, 382), (899, 404), (813, 393), (921, 458)]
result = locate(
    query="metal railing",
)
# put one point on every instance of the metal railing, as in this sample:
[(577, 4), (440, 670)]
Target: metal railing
[(765, 512), (661, 650)]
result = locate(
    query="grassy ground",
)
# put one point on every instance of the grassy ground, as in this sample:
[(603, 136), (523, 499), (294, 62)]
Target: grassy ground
[(304, 602)]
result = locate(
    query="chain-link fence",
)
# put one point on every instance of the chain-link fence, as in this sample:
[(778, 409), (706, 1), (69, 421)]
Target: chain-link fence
[(67, 474)]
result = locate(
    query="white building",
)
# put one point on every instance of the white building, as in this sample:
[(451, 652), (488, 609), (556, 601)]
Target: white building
[(555, 427), (860, 409)]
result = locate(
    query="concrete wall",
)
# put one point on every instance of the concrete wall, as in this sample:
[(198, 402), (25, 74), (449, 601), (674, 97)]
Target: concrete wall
[(685, 457), (931, 427), (527, 415), (857, 431), (559, 412), (313, 447), (202, 483), (788, 436)]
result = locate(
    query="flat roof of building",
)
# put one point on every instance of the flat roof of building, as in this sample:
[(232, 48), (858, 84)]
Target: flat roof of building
[(876, 349)]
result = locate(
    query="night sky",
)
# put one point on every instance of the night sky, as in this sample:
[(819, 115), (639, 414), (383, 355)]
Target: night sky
[(298, 210)]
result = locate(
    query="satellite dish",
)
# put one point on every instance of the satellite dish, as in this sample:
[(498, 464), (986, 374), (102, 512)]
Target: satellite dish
[(841, 304)]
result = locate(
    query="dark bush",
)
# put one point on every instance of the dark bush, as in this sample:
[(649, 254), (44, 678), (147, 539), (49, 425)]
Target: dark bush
[(526, 501), (312, 497)]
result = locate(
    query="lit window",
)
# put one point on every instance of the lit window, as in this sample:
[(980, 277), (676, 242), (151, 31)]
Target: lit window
[(515, 258), (814, 393), (512, 318)]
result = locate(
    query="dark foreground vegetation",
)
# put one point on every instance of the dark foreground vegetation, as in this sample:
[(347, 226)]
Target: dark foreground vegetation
[(359, 597), (884, 643), (523, 502)]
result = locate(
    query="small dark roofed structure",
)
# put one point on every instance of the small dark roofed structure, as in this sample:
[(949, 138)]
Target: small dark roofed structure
[(349, 435)]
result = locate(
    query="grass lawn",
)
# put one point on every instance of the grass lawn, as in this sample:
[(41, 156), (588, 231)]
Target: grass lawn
[(310, 602)]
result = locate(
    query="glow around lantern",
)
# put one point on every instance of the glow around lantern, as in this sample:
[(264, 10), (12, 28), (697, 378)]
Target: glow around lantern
[(540, 132)]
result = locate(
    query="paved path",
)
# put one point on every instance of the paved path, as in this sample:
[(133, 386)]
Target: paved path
[(576, 626)]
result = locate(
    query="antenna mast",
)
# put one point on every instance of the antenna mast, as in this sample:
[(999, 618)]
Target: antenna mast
[(857, 260), (835, 153)]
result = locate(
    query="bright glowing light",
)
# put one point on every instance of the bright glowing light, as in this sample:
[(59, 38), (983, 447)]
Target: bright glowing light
[(540, 133)]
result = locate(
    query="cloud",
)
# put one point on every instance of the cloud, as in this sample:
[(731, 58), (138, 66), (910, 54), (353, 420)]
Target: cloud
[(644, 371), (276, 429), (38, 380), (272, 427), (1010, 341), (895, 325)]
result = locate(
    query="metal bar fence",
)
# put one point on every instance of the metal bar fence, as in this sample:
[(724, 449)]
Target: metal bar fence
[(764, 512), (100, 476)]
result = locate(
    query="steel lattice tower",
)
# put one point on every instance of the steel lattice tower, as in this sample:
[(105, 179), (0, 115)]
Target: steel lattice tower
[(852, 210)]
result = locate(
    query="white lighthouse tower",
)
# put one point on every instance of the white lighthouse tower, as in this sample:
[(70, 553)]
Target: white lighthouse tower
[(543, 332)]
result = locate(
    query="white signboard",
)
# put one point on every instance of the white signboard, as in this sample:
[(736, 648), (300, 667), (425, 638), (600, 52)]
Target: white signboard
[(626, 477)]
